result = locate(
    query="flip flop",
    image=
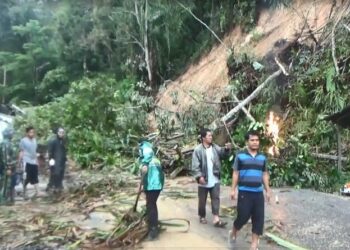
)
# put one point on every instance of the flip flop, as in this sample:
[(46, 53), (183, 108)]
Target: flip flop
[(220, 224), (203, 221)]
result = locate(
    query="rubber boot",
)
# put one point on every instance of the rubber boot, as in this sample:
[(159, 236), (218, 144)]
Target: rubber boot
[(12, 195), (25, 197), (153, 233)]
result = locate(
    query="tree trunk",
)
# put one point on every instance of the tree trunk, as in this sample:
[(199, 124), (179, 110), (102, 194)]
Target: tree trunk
[(148, 58), (339, 140), (4, 83), (251, 96)]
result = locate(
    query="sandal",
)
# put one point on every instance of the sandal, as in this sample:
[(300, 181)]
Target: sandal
[(220, 224), (203, 221)]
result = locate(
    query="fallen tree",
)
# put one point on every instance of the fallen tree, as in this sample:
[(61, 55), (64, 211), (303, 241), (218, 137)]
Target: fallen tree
[(246, 101)]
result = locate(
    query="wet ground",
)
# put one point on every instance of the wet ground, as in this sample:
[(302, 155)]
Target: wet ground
[(307, 218), (310, 219)]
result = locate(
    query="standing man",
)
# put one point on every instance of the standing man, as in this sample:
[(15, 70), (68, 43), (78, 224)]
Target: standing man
[(8, 163), (251, 175), (28, 156), (206, 165), (58, 156)]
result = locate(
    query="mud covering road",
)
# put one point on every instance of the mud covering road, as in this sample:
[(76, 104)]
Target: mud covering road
[(310, 219)]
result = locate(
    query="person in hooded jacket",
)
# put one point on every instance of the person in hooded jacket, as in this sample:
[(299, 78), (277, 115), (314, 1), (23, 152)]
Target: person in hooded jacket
[(8, 163), (57, 150), (152, 183)]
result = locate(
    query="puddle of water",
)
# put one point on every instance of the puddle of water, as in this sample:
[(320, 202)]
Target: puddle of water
[(103, 221)]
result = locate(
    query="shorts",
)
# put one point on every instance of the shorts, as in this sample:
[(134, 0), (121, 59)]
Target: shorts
[(32, 174), (250, 205)]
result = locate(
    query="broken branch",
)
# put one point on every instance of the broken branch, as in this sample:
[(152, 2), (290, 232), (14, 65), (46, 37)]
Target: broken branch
[(346, 27), (328, 157), (285, 72), (250, 117), (252, 96)]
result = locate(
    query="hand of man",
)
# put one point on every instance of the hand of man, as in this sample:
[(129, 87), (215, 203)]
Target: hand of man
[(202, 180), (144, 169), (8, 172), (228, 145), (51, 162), (139, 188), (234, 195), (268, 194)]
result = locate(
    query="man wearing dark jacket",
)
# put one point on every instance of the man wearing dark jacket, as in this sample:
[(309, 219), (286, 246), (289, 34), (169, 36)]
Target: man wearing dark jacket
[(57, 160), (206, 165)]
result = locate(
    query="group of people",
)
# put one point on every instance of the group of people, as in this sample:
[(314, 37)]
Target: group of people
[(250, 178), (19, 164)]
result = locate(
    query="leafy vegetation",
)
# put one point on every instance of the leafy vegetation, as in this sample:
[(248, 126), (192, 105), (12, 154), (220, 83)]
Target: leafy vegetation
[(103, 116), (312, 92), (94, 68)]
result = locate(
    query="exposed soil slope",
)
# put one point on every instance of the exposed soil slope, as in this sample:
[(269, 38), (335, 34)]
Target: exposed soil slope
[(208, 78)]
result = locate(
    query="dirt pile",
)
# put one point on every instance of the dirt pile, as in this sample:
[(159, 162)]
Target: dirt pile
[(208, 78)]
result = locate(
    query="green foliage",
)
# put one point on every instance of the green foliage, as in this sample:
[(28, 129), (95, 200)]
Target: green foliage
[(245, 14), (102, 116), (277, 3), (298, 168), (54, 84), (46, 46), (313, 92)]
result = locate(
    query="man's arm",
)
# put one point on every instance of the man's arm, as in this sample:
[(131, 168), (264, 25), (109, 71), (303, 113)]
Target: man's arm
[(21, 151), (51, 149), (266, 182), (224, 151), (196, 170), (235, 178)]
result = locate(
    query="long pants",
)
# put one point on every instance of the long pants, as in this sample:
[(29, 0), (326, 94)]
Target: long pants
[(250, 205), (56, 178), (152, 209), (214, 196), (7, 187)]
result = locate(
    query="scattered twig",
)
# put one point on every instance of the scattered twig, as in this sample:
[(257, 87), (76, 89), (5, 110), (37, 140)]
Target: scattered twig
[(346, 27), (335, 61), (231, 139), (285, 115), (285, 72)]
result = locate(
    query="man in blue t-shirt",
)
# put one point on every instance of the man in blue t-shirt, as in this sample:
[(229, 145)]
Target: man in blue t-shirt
[(250, 175)]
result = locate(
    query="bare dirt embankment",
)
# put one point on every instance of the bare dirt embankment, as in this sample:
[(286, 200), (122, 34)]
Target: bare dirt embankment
[(208, 78)]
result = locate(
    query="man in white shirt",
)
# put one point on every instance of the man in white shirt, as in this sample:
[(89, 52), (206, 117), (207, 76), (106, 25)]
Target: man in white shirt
[(28, 155), (206, 165)]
